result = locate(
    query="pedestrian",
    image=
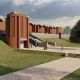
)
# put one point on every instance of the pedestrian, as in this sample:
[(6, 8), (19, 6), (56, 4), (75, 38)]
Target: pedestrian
[(62, 47)]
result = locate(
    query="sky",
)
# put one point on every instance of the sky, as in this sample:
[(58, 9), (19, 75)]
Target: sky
[(48, 12)]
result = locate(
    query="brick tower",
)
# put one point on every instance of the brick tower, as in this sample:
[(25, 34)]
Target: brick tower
[(17, 33)]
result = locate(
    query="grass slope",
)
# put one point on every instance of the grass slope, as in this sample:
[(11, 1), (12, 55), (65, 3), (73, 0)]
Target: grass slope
[(65, 43), (76, 74), (13, 59), (73, 76)]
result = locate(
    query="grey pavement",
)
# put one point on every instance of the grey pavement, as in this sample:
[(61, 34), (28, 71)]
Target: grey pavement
[(54, 70), (71, 50)]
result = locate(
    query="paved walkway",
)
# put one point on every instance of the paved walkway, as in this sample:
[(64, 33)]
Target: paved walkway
[(54, 70), (57, 49)]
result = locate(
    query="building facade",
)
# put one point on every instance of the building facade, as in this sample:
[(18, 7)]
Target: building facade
[(18, 29), (58, 30), (2, 25), (17, 32)]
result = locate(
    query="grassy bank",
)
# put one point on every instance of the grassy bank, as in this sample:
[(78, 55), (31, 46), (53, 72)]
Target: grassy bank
[(73, 76), (12, 60), (65, 43)]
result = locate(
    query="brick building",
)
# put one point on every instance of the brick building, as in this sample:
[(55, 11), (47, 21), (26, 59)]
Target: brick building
[(54, 30), (46, 29), (2, 25), (58, 30), (18, 29), (50, 30), (40, 28), (37, 28), (17, 32), (43, 29), (31, 27)]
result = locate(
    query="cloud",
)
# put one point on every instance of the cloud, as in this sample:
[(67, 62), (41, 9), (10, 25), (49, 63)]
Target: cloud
[(48, 11), (62, 21), (44, 9), (18, 2), (40, 2), (33, 2)]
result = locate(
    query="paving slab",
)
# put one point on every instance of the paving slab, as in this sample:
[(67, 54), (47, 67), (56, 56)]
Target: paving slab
[(54, 70), (57, 49)]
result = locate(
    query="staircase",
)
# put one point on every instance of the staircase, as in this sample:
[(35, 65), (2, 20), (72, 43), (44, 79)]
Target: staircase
[(38, 42)]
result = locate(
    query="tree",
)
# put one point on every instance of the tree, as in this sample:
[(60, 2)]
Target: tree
[(67, 30), (75, 33)]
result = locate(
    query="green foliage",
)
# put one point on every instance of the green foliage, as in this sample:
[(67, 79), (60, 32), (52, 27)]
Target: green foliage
[(67, 30), (73, 76), (75, 33)]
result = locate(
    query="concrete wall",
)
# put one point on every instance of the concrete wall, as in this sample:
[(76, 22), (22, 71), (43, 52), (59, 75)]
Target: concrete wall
[(43, 35)]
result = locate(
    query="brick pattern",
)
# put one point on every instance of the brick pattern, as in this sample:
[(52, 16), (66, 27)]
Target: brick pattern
[(37, 28), (18, 29), (2, 25)]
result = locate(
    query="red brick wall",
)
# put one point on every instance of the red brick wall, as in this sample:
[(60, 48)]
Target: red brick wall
[(50, 30), (2, 25), (31, 27), (37, 28), (53, 30), (16, 28), (58, 30), (42, 29)]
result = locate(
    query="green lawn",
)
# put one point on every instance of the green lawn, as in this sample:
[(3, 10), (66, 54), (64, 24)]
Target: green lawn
[(73, 76), (65, 43), (12, 60)]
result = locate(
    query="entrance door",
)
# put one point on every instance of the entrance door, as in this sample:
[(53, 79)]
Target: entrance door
[(25, 44), (21, 44)]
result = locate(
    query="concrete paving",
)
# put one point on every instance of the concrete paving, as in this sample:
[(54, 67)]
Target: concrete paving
[(58, 49), (54, 70)]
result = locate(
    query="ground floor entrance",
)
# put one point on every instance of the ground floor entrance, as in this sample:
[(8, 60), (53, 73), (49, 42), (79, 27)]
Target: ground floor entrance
[(23, 44)]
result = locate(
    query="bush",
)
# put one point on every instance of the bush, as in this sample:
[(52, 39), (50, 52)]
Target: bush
[(75, 33)]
